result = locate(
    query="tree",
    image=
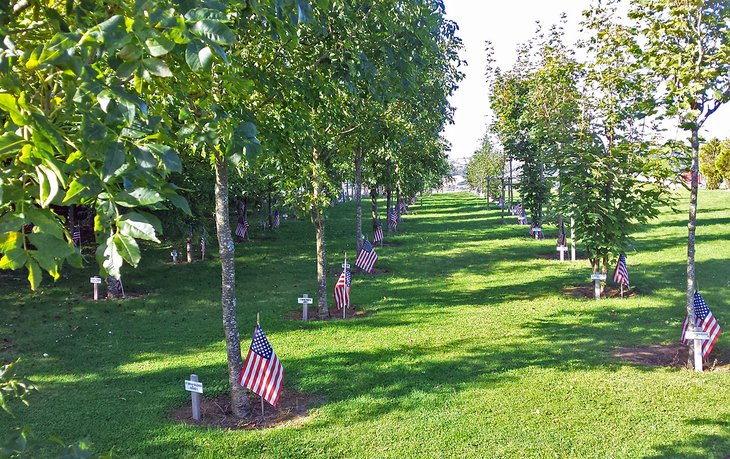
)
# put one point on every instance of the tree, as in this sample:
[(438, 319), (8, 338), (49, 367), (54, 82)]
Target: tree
[(685, 45), (710, 152), (722, 163)]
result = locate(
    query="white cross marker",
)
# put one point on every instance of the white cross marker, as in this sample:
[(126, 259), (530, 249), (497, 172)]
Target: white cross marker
[(305, 301), (562, 249)]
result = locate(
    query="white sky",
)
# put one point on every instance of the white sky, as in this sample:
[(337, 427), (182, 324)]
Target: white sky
[(506, 23)]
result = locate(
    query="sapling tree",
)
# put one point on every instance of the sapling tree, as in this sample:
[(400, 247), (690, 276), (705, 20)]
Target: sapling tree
[(685, 46)]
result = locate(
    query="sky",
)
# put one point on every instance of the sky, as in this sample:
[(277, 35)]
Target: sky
[(507, 23)]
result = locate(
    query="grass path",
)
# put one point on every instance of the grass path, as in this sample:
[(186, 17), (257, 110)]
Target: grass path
[(469, 348)]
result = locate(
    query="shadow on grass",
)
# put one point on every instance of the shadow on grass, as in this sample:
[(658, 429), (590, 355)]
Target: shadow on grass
[(699, 445)]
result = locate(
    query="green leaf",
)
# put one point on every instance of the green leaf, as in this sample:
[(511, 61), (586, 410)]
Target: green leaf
[(167, 155), (48, 183), (9, 105), (159, 45), (139, 197), (127, 248), (247, 130), (13, 259), (157, 67), (138, 226), (114, 32), (51, 246), (198, 14), (10, 144), (214, 31), (84, 186), (35, 274), (179, 202), (198, 56), (113, 160), (145, 159)]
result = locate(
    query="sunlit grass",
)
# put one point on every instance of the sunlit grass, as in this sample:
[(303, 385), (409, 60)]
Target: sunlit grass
[(469, 348)]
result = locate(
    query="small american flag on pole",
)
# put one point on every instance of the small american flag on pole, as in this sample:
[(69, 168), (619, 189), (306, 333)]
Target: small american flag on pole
[(76, 236), (393, 218), (202, 245), (367, 257), (378, 233), (705, 321), (277, 219), (342, 289), (242, 228), (621, 273), (262, 372)]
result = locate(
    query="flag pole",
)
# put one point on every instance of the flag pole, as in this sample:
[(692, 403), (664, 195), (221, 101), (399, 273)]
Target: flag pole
[(258, 323), (344, 306)]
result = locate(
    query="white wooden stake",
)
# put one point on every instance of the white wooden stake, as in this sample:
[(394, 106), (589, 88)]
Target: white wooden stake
[(572, 239), (562, 249), (96, 280), (195, 399), (305, 301), (345, 265), (698, 354)]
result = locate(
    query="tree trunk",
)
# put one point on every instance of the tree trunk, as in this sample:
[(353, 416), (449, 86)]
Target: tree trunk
[(387, 207), (397, 203), (374, 206), (271, 216), (489, 190), (510, 183), (113, 288), (691, 227), (318, 220), (501, 212), (239, 400), (358, 198)]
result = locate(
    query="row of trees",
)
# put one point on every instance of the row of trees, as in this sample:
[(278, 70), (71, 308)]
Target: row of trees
[(588, 133), (109, 104)]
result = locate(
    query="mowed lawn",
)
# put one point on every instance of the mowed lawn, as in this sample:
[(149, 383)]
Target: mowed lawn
[(468, 349)]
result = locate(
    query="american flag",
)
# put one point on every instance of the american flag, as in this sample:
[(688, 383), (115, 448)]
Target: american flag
[(705, 321), (378, 233), (342, 289), (76, 236), (202, 245), (621, 273), (277, 219), (367, 257), (393, 218), (262, 372), (562, 240), (242, 228), (402, 207)]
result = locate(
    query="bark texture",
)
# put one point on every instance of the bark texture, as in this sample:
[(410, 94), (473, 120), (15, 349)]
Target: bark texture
[(318, 220), (374, 206), (239, 400), (691, 227), (358, 198)]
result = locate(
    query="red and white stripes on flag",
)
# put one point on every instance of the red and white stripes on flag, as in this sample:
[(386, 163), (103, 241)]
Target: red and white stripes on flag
[(704, 321), (378, 233), (242, 228), (342, 289), (367, 257), (262, 372), (621, 273)]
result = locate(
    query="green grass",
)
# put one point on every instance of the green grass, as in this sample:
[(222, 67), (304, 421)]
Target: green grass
[(469, 348)]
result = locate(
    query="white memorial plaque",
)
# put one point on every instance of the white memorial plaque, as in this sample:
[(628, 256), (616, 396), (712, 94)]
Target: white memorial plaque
[(194, 386), (696, 335), (95, 280), (598, 276)]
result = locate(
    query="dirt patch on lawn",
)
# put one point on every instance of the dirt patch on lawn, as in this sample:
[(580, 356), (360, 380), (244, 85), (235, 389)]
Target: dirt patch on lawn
[(334, 314), (609, 291), (127, 296), (666, 355), (292, 409)]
